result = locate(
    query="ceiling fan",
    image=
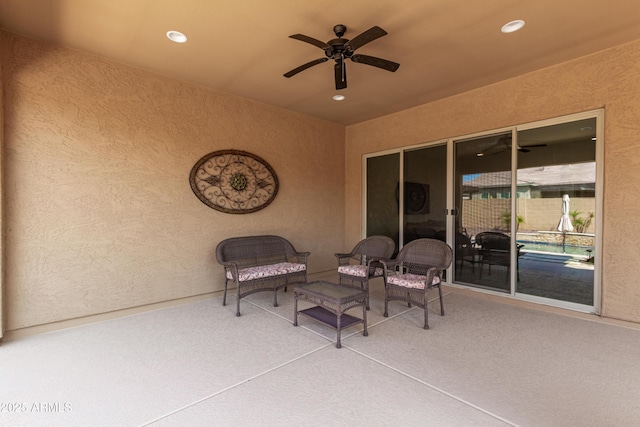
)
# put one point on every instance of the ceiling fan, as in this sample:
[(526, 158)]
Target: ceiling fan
[(340, 49), (504, 144)]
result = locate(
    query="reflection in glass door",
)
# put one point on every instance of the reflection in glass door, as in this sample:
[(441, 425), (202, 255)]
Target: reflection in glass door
[(425, 193), (556, 210), (383, 176), (482, 197), (422, 198)]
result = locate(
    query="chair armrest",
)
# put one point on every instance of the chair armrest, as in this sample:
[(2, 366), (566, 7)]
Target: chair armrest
[(341, 256), (229, 264), (302, 256), (376, 262), (389, 264), (232, 267)]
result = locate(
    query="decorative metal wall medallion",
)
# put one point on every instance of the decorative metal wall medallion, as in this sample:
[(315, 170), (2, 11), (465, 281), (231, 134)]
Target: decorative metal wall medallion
[(234, 181)]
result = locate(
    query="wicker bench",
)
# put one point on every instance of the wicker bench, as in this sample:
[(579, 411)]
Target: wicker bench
[(260, 263)]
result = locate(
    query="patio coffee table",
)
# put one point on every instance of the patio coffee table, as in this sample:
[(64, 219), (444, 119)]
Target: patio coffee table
[(332, 301)]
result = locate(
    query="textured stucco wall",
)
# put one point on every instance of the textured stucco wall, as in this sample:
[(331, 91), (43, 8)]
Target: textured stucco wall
[(2, 310), (99, 212), (609, 79)]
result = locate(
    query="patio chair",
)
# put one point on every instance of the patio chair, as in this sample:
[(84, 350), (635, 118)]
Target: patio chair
[(417, 268), (361, 264), (495, 249)]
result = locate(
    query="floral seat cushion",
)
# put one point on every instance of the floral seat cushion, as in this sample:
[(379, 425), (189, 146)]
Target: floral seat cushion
[(413, 281), (358, 270), (262, 271)]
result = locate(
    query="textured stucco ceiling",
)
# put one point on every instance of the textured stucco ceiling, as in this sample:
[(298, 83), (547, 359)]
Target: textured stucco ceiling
[(444, 47)]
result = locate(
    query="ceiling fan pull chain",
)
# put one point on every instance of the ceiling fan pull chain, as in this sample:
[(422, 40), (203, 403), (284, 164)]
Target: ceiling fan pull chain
[(344, 69)]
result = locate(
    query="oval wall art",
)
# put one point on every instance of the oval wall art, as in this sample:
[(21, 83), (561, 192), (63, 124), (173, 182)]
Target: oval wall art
[(234, 181)]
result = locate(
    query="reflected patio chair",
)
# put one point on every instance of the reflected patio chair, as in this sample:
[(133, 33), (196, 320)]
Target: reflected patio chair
[(465, 250), (417, 268), (495, 249), (361, 264)]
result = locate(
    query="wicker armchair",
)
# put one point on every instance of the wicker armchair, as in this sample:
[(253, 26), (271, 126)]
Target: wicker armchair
[(417, 268), (361, 264)]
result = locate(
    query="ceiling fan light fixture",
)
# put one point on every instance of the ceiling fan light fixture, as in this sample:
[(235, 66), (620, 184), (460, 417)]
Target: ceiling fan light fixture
[(512, 26), (176, 36), (338, 97)]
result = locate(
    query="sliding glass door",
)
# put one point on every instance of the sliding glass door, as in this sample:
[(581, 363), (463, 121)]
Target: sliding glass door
[(557, 206), (383, 179), (415, 209), (425, 193), (482, 195), (520, 207)]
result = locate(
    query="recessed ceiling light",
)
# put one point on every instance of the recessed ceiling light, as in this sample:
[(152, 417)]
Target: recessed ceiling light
[(338, 97), (176, 36), (512, 26)]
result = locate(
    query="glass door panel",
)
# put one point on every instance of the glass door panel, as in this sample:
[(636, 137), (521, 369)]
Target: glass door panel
[(556, 204), (383, 176), (425, 193), (482, 226)]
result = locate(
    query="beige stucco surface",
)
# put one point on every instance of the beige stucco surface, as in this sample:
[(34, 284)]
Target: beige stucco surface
[(609, 79), (2, 310), (99, 215), (99, 212)]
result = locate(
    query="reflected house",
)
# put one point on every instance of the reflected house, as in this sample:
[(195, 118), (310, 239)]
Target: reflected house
[(486, 197)]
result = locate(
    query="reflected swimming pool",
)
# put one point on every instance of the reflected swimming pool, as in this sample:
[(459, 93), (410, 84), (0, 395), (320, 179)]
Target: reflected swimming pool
[(555, 248)]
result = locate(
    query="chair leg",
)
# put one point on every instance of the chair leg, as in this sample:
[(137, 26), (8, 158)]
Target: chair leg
[(441, 304), (426, 314), (365, 286), (386, 301), (224, 296)]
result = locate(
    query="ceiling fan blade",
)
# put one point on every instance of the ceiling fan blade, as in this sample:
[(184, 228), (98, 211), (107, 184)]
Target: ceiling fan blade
[(525, 148), (311, 40), (375, 62), (366, 37), (495, 150), (305, 66), (340, 71)]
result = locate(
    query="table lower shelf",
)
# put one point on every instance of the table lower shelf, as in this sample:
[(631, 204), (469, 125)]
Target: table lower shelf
[(323, 315)]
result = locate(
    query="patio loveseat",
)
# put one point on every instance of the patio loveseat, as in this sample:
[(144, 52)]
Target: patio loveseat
[(260, 263)]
